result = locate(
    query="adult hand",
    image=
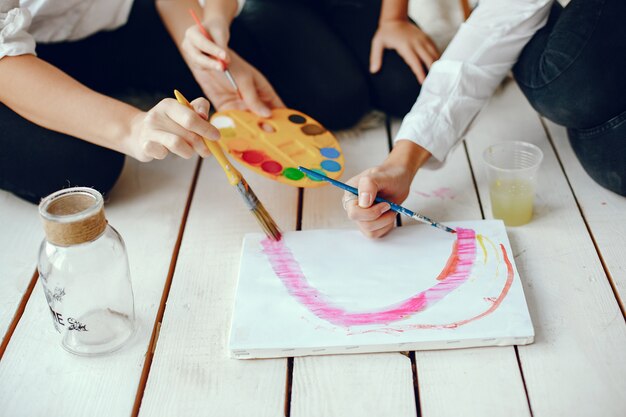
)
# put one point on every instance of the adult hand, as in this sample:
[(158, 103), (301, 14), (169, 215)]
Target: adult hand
[(171, 127), (257, 94), (201, 52), (413, 45)]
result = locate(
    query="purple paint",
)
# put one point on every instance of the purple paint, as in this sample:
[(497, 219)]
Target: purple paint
[(288, 270)]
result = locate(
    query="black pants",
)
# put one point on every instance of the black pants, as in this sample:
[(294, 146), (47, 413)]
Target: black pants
[(315, 53), (573, 72)]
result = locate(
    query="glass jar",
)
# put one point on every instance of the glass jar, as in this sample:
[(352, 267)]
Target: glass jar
[(83, 268)]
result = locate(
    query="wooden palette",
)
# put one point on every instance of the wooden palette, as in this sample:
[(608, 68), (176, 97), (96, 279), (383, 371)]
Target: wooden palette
[(276, 146)]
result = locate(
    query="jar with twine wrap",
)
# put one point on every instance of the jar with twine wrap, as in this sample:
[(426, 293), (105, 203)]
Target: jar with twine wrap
[(83, 268)]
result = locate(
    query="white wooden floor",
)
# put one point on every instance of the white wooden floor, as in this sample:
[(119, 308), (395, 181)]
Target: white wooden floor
[(183, 228)]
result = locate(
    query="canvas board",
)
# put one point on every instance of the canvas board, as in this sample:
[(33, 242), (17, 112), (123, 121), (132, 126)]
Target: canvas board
[(322, 292)]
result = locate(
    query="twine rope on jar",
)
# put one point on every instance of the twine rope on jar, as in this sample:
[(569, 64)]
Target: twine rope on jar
[(71, 218)]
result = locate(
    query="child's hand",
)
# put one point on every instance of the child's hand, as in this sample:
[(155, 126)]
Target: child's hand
[(390, 182), (257, 95), (171, 127), (413, 45), (201, 52)]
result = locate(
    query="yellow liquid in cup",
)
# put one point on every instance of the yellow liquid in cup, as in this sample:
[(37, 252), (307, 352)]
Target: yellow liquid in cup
[(512, 201)]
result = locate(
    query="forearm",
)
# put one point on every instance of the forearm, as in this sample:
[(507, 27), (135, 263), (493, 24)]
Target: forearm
[(221, 9), (50, 98), (176, 18), (408, 155), (394, 10)]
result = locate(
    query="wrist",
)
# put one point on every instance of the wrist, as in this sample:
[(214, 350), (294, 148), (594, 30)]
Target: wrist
[(394, 10), (408, 155), (127, 130), (223, 13)]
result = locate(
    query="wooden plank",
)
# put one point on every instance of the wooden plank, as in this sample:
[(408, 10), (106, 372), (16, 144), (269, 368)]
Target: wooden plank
[(342, 385), (604, 212), (192, 373), (577, 364), (20, 235), (38, 376), (485, 380)]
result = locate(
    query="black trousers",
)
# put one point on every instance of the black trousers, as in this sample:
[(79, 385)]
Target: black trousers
[(315, 54), (573, 72)]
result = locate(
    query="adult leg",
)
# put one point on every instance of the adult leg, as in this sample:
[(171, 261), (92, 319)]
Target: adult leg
[(394, 88), (310, 68), (35, 161), (572, 72)]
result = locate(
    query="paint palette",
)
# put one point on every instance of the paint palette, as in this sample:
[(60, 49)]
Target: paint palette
[(276, 146)]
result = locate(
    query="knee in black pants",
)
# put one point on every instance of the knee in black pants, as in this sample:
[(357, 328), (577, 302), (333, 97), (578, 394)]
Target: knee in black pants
[(602, 152), (35, 161), (336, 105)]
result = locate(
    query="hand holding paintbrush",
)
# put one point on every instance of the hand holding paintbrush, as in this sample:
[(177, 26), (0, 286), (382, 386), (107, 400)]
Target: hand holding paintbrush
[(236, 179), (229, 81)]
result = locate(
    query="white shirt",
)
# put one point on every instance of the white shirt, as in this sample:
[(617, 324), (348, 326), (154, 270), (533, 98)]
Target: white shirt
[(23, 23), (479, 57)]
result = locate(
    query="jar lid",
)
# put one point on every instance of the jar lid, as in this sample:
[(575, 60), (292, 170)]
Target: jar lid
[(73, 216)]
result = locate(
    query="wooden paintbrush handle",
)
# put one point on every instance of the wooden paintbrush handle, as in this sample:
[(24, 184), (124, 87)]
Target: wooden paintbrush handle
[(234, 177)]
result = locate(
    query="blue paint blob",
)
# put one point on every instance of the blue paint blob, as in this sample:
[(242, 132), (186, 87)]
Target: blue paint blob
[(319, 171), (330, 153), (331, 166)]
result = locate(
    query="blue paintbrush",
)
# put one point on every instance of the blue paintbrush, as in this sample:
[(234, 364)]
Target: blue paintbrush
[(395, 207)]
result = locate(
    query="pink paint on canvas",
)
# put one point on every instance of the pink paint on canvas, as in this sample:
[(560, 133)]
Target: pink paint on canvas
[(456, 272)]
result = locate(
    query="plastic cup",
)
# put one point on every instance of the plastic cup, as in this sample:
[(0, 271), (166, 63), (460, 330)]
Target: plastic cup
[(512, 174)]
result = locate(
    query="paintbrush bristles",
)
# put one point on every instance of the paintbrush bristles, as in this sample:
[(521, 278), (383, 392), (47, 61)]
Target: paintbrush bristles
[(266, 222), (254, 205)]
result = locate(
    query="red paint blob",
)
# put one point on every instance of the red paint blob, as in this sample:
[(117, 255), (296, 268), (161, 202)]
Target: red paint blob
[(272, 167), (253, 157)]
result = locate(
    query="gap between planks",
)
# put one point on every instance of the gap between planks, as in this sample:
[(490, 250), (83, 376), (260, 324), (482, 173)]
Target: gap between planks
[(289, 380), (166, 290), (582, 214), (18, 313), (482, 213)]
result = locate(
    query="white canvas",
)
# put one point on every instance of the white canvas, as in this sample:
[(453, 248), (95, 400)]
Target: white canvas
[(334, 291)]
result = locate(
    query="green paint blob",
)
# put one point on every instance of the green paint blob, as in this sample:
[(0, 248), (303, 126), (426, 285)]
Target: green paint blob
[(293, 174)]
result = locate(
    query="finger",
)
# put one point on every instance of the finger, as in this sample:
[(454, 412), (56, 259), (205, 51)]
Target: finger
[(414, 63), (155, 150), (376, 55), (424, 55), (367, 191), (174, 143), (205, 45), (194, 140), (189, 119), (389, 217), (250, 96), (365, 214), (375, 234), (202, 106), (432, 48), (200, 60)]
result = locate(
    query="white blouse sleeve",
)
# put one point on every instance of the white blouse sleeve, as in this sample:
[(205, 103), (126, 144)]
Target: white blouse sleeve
[(14, 24), (457, 86)]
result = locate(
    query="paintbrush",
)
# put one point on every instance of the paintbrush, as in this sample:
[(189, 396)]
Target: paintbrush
[(225, 69), (395, 207), (235, 178)]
